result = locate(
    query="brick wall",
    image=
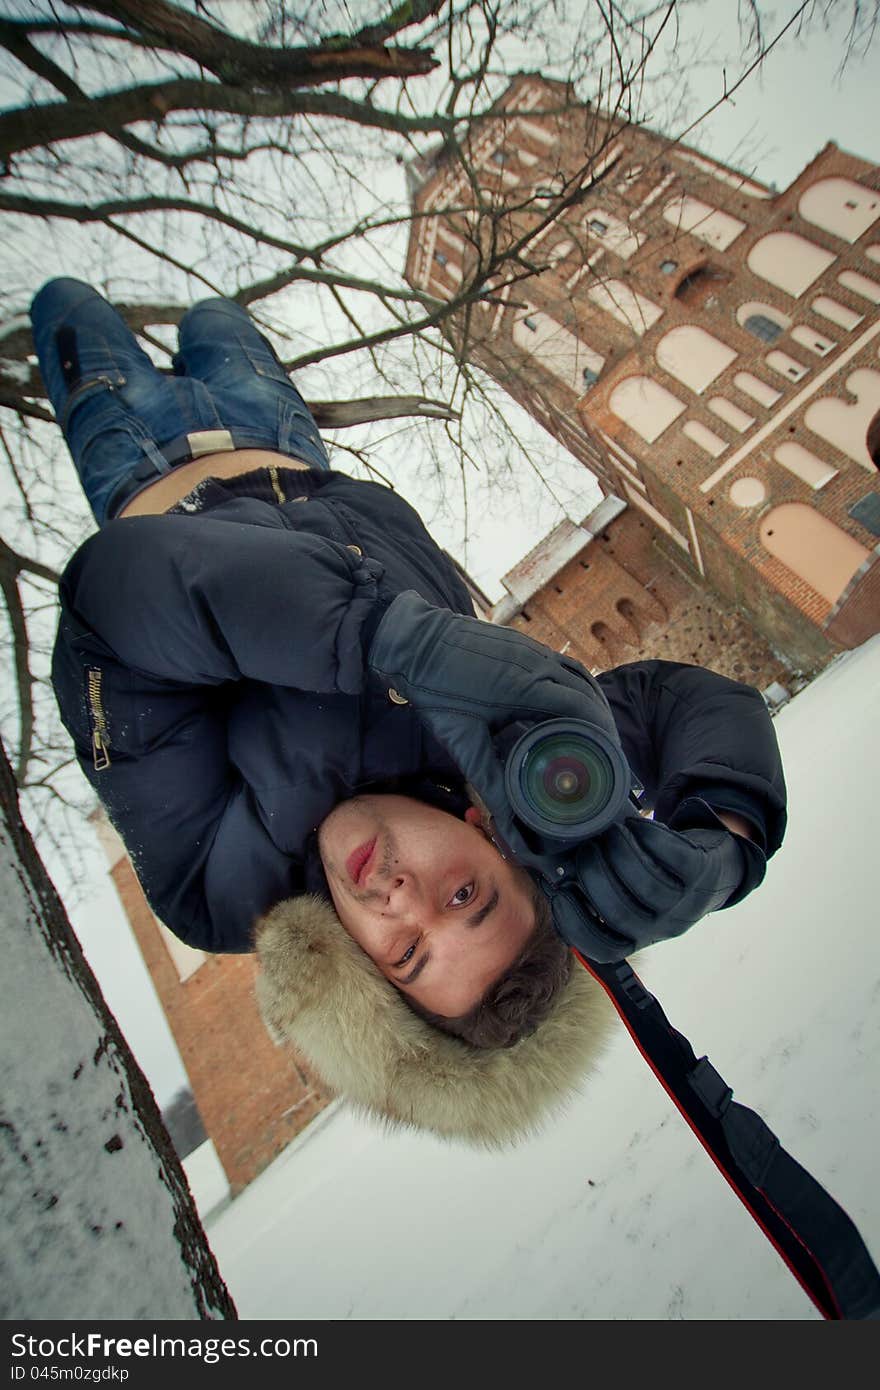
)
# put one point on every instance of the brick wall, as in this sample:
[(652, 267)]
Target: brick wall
[(252, 1096), (627, 598), (855, 620)]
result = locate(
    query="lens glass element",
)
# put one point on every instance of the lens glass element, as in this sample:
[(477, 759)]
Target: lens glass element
[(566, 778)]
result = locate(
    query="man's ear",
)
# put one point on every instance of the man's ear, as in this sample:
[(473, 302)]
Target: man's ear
[(478, 812), (482, 819)]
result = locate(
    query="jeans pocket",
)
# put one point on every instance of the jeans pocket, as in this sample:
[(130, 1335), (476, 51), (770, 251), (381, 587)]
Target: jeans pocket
[(298, 434), (263, 361)]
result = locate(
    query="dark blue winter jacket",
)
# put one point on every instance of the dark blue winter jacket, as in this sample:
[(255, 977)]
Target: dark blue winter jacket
[(211, 671)]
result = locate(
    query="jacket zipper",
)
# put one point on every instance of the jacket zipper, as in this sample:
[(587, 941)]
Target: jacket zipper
[(273, 474), (100, 738)]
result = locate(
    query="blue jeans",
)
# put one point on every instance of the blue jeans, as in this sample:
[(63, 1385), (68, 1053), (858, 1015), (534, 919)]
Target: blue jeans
[(127, 424)]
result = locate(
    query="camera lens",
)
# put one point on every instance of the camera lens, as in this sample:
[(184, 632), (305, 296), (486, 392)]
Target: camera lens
[(567, 779)]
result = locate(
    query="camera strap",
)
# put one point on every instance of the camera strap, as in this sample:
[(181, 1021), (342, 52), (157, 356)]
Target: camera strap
[(812, 1233)]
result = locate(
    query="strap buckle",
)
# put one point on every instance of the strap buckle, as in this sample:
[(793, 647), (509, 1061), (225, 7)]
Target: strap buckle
[(711, 1087)]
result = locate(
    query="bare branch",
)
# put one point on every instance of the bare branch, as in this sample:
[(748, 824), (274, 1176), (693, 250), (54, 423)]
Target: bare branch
[(15, 40), (335, 415), (25, 128), (237, 60)]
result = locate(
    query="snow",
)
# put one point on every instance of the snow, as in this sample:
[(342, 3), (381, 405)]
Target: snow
[(206, 1178), (616, 1212)]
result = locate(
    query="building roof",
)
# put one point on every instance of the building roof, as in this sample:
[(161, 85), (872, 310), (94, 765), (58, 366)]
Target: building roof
[(550, 555)]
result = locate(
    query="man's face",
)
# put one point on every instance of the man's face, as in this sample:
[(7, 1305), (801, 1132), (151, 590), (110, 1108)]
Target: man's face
[(427, 896)]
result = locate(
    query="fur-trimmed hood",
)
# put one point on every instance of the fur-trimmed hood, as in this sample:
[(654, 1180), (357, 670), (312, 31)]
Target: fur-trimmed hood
[(319, 992)]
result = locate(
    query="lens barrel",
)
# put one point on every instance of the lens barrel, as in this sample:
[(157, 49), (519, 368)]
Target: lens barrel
[(567, 779)]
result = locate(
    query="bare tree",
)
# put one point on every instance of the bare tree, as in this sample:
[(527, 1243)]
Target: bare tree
[(167, 149)]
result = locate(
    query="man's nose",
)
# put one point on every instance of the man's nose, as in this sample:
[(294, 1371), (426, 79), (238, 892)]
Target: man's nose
[(401, 895)]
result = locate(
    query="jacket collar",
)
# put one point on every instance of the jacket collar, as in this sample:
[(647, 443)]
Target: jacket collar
[(319, 993)]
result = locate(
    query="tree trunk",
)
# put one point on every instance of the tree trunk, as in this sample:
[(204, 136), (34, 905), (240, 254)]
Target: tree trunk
[(97, 1218)]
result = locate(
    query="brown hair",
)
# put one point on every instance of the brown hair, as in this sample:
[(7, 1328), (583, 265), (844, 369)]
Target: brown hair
[(521, 999)]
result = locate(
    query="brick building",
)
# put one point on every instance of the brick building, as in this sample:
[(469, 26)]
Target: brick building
[(607, 593), (707, 347), (253, 1097)]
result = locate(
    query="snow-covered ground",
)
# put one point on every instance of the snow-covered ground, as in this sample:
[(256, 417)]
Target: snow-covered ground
[(616, 1211)]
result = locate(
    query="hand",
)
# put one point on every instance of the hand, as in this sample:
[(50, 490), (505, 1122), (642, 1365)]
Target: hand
[(468, 679), (648, 881)]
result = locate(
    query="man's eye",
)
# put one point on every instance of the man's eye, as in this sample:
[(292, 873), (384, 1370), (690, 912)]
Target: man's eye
[(463, 895), (407, 955)]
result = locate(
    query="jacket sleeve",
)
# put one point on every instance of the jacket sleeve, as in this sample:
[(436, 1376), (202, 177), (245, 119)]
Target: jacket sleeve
[(163, 620), (687, 731), (202, 601)]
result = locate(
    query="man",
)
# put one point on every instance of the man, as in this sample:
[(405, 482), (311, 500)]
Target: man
[(270, 682)]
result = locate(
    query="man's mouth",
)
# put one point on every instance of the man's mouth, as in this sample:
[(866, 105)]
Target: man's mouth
[(358, 862)]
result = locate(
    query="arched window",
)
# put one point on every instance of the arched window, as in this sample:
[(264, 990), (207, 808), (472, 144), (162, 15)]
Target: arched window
[(693, 356), (560, 251), (788, 261), (839, 206), (614, 234), (703, 221), (626, 305), (645, 405), (704, 438), (813, 471), (815, 342), (812, 547), (762, 320), (837, 313), (758, 390), (731, 414), (761, 327), (861, 285), (558, 350), (786, 366)]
